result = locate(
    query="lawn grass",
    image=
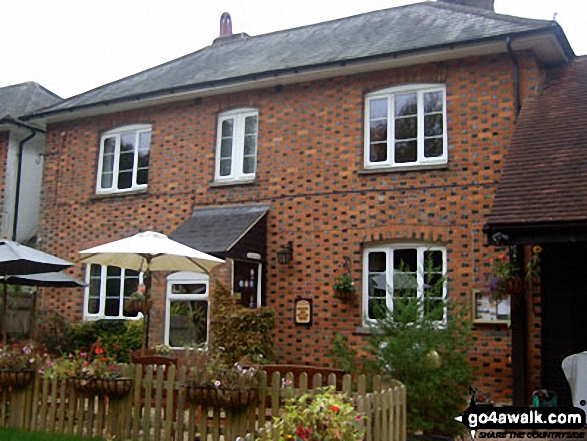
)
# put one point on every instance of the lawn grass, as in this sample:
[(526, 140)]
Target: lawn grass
[(22, 435)]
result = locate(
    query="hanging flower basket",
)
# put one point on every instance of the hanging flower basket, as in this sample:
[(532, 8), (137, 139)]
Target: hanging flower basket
[(112, 387), (344, 294), (16, 379), (134, 306), (219, 397)]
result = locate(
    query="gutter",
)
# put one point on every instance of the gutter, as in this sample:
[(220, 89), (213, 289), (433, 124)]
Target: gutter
[(508, 45)]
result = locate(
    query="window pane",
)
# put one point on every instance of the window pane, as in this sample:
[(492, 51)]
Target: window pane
[(406, 104), (406, 151), (378, 131), (405, 260), (225, 165), (378, 152), (433, 147), (227, 128), (406, 128), (249, 165), (112, 307), (377, 262), (188, 288), (144, 142), (93, 305), (127, 142), (188, 322), (109, 146), (125, 180), (433, 125), (434, 309), (377, 308), (433, 102), (226, 148), (378, 109), (250, 145), (143, 176), (251, 125), (126, 161), (433, 261)]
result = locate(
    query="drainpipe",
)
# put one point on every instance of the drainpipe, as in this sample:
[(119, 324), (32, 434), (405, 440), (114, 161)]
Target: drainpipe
[(18, 180), (508, 44)]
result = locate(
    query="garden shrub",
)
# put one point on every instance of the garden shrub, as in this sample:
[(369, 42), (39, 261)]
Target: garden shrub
[(430, 359), (239, 330)]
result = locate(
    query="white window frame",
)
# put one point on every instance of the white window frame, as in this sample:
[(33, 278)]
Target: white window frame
[(388, 249), (389, 94), (184, 277), (101, 311), (237, 172), (117, 133)]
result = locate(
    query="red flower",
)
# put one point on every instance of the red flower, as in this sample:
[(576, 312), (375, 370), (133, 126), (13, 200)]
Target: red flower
[(304, 432), (99, 350), (334, 408)]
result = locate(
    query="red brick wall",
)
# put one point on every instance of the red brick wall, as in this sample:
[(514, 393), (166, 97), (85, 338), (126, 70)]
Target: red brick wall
[(310, 157)]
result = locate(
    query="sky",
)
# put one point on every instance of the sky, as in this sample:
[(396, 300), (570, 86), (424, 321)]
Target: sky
[(72, 46)]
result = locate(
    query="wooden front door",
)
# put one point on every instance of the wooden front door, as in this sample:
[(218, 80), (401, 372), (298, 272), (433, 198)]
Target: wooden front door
[(564, 311)]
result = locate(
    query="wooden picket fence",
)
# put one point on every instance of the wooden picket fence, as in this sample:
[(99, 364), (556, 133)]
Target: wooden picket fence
[(157, 408)]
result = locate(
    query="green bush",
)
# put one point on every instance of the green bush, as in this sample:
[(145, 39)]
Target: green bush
[(241, 331), (117, 337), (430, 359)]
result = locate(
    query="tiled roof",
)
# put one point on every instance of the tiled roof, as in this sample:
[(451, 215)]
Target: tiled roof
[(20, 99), (371, 36), (216, 230), (544, 180)]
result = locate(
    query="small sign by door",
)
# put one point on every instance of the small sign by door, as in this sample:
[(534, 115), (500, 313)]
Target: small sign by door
[(303, 311)]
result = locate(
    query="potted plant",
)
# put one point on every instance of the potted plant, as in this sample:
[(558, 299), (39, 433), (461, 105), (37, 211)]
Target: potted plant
[(90, 373), (18, 363), (213, 381), (322, 416), (344, 287), (505, 278), (136, 302)]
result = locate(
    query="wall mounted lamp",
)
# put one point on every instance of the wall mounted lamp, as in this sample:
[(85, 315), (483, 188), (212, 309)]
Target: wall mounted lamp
[(285, 255)]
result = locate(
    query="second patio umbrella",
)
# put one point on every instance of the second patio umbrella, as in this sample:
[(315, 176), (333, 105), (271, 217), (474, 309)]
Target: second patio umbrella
[(18, 260), (146, 252)]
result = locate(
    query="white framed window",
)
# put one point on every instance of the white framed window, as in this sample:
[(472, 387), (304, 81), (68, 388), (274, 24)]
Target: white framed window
[(394, 273), (124, 159), (236, 146), (406, 126), (106, 290), (187, 311)]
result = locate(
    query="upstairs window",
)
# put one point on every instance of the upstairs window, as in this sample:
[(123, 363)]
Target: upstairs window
[(236, 148), (124, 159), (403, 273), (406, 126)]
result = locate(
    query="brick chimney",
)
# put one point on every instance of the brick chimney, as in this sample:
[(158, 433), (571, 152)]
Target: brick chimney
[(481, 4), (225, 25), (226, 36)]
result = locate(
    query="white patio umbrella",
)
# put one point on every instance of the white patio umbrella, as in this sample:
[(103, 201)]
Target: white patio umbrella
[(150, 251)]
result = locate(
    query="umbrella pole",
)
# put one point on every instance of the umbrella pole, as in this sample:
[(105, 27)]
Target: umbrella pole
[(145, 337), (4, 312)]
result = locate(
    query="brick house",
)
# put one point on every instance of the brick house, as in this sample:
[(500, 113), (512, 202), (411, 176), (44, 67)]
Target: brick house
[(365, 145), (22, 147)]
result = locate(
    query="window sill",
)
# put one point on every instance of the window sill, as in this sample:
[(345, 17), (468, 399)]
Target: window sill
[(420, 167), (232, 183), (119, 194), (362, 331)]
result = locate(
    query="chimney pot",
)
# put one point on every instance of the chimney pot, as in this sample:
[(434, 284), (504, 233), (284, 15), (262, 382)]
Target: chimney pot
[(225, 25)]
